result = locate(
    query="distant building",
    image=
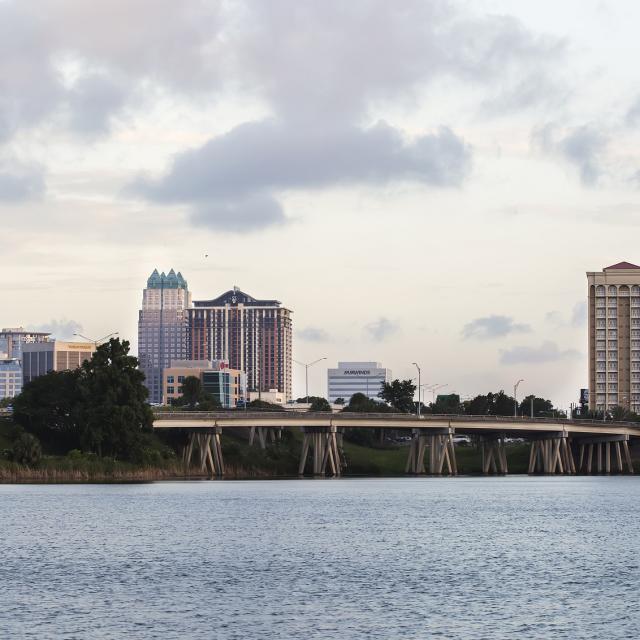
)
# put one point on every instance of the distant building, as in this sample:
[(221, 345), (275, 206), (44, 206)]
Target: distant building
[(251, 335), (356, 377), (162, 327), (272, 395), (227, 386), (40, 358), (10, 378), (614, 337), (12, 339)]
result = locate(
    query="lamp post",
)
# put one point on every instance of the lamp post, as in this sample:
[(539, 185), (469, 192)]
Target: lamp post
[(419, 385), (515, 399), (99, 340), (306, 366), (435, 388)]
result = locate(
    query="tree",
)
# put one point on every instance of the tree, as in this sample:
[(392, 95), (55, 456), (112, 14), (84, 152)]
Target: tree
[(541, 407), (48, 408), (320, 404), (191, 391), (447, 405), (263, 405), (502, 404), (478, 406), (360, 403), (399, 394), (26, 449), (113, 411), (339, 401)]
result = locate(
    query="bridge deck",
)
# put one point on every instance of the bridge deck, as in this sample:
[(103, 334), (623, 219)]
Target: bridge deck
[(462, 424)]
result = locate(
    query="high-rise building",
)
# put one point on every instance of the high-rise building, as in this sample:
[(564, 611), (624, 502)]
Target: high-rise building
[(252, 335), (162, 327), (614, 337), (356, 377), (39, 358)]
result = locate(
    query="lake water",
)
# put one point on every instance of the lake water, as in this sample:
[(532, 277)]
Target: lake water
[(513, 557)]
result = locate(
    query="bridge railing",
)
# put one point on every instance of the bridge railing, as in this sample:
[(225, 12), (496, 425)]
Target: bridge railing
[(289, 415)]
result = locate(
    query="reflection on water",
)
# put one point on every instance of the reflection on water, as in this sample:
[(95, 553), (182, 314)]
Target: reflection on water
[(465, 558)]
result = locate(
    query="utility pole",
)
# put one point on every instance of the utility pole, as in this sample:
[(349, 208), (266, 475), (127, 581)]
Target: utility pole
[(306, 366), (515, 398), (419, 385), (532, 406)]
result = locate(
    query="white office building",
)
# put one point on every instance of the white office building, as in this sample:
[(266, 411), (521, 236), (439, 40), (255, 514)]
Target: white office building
[(356, 377), (10, 378)]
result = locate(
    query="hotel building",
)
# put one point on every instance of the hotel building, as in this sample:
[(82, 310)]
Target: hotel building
[(356, 377), (614, 337), (162, 327), (227, 386), (252, 335), (55, 355)]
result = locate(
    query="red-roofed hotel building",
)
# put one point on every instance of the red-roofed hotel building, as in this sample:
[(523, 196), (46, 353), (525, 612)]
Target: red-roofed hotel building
[(614, 337)]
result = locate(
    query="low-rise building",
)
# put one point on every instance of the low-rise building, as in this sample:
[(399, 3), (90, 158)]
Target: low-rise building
[(356, 377), (10, 378), (225, 385), (55, 355), (272, 395)]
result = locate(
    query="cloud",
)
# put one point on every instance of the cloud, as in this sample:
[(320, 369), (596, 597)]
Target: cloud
[(93, 100), (19, 182), (380, 329), (61, 329), (546, 352), (312, 334), (241, 172), (632, 117), (492, 327), (577, 319), (582, 146)]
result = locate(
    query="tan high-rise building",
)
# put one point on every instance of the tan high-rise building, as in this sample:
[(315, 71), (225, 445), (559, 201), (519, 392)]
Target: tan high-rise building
[(162, 327), (614, 337)]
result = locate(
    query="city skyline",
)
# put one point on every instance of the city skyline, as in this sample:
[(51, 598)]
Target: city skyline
[(447, 205)]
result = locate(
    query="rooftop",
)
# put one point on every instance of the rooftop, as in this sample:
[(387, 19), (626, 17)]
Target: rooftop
[(621, 265), (234, 297), (171, 280)]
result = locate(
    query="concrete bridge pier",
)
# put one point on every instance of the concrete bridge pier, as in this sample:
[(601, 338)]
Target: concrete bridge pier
[(551, 453), (442, 454), (604, 454), (209, 450), (324, 444), (265, 435), (494, 455)]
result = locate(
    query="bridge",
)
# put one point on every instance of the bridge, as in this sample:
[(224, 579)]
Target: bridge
[(557, 446)]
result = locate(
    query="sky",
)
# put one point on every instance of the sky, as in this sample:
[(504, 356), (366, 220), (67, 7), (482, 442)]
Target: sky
[(419, 181)]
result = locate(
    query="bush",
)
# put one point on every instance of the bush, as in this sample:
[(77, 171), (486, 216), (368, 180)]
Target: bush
[(26, 449)]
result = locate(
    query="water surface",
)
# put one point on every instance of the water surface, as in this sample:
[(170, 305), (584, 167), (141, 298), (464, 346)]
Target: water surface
[(469, 558)]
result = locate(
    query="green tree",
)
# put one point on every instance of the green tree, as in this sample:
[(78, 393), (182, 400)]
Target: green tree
[(447, 405), (26, 449), (113, 411), (320, 404), (541, 407), (191, 391), (360, 403), (339, 401), (399, 394), (48, 408), (263, 405)]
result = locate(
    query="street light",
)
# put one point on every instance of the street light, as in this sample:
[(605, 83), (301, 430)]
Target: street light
[(515, 400), (435, 388), (419, 385), (99, 340), (306, 366)]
